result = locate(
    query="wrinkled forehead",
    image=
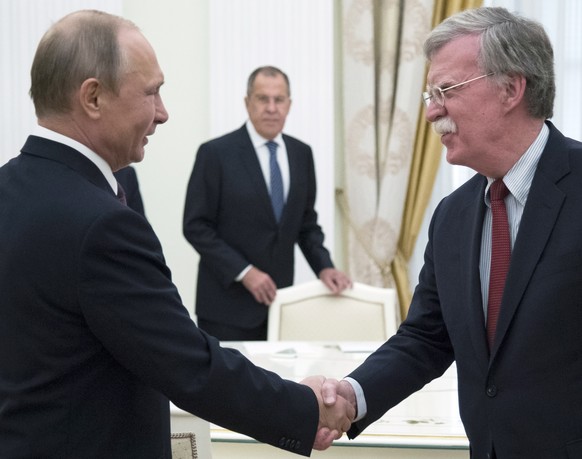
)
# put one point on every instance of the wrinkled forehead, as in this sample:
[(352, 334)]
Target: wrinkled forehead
[(458, 57)]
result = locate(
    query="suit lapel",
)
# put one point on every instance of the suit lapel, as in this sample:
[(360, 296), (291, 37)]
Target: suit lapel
[(252, 167), (541, 211), (473, 214), (295, 180)]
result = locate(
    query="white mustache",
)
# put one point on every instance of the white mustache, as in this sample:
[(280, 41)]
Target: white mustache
[(444, 126)]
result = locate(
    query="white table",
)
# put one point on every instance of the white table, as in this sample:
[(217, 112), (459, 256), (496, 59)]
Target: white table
[(425, 425)]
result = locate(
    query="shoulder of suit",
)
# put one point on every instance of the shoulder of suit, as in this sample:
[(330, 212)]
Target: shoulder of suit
[(294, 142), (236, 136)]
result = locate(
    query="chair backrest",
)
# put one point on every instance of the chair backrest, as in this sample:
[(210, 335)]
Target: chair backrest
[(310, 312), (184, 445)]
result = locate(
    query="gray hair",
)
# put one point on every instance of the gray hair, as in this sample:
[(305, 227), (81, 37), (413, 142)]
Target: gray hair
[(267, 70), (81, 45), (509, 45)]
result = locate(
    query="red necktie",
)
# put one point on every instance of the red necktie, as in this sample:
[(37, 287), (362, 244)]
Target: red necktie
[(121, 194), (500, 255)]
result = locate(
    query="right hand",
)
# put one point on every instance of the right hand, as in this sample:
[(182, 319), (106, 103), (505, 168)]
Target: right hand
[(332, 392), (260, 285), (332, 388), (334, 418)]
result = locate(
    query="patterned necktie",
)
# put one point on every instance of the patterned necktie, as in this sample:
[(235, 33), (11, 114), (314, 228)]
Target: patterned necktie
[(277, 199), (121, 194), (500, 255)]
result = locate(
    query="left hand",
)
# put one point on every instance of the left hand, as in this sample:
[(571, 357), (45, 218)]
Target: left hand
[(335, 280)]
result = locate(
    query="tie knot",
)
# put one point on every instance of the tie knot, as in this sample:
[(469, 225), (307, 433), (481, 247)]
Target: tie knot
[(272, 146), (498, 190)]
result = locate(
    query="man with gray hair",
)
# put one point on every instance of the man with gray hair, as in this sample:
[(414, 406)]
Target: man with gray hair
[(250, 200), (499, 293)]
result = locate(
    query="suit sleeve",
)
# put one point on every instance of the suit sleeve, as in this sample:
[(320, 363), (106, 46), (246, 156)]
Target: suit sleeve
[(135, 312), (419, 352), (201, 214)]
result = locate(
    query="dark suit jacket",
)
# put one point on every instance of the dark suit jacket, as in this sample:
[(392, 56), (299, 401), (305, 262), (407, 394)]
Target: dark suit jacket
[(229, 220), (526, 397), (94, 338), (128, 180)]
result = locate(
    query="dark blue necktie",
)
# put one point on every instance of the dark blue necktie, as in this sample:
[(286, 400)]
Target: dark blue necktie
[(277, 199)]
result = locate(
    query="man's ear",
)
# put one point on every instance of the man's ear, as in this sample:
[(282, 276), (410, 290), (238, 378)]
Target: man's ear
[(514, 91), (90, 97)]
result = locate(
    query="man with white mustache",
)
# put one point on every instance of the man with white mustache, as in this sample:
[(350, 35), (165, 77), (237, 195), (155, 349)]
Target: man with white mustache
[(500, 289)]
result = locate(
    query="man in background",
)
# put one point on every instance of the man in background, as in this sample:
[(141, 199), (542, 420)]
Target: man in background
[(250, 199), (500, 291), (94, 338)]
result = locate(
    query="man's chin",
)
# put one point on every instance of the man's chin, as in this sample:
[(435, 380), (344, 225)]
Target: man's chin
[(452, 157), (138, 156)]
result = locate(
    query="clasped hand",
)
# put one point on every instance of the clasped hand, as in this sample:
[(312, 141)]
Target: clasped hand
[(337, 409)]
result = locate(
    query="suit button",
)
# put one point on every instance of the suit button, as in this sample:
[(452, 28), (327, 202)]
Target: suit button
[(492, 390), (298, 444), (282, 442)]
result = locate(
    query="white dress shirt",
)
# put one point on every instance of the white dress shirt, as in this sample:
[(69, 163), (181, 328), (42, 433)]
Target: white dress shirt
[(518, 181)]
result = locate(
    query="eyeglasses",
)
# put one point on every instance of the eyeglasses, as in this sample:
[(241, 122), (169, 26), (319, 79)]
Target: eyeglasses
[(437, 94)]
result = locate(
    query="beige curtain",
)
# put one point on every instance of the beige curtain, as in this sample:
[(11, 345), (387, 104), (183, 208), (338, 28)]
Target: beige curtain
[(388, 146), (383, 76), (425, 162)]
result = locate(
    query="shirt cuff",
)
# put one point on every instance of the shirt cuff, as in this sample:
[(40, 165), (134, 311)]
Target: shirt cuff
[(360, 399), (243, 273)]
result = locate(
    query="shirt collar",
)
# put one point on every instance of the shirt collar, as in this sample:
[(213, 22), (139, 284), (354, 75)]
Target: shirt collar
[(103, 166), (518, 179), (258, 140)]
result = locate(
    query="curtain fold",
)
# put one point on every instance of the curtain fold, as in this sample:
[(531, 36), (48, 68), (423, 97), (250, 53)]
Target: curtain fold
[(388, 145), (383, 71)]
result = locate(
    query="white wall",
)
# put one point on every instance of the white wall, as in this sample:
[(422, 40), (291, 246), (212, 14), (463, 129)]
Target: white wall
[(178, 31)]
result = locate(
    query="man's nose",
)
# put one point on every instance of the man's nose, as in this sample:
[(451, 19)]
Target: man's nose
[(434, 111), (161, 112)]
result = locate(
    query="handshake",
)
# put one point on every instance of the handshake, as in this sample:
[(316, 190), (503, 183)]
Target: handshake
[(337, 409)]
